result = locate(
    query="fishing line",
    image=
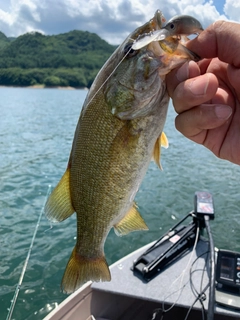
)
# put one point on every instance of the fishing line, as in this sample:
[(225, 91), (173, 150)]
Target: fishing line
[(109, 76), (50, 228), (15, 296), (13, 302)]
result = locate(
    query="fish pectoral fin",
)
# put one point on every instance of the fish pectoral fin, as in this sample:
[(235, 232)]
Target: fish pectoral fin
[(162, 141), (59, 205), (81, 269), (132, 221)]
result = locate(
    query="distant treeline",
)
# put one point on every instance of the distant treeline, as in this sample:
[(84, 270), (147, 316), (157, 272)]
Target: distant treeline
[(69, 59)]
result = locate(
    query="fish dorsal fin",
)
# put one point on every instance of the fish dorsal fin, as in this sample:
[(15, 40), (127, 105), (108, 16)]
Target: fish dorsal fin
[(162, 141), (59, 205), (132, 221)]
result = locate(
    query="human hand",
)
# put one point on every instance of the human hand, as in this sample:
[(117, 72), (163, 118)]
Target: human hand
[(206, 95)]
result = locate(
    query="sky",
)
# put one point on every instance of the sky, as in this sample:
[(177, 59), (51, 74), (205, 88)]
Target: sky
[(112, 20)]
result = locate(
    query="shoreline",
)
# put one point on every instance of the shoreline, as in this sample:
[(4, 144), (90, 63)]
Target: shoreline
[(41, 86)]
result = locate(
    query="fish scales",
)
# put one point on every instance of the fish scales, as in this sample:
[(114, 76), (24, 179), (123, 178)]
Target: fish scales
[(102, 177), (118, 132)]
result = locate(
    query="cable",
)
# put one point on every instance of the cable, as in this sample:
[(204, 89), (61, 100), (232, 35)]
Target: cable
[(14, 300), (181, 276), (181, 285), (198, 298), (195, 291), (211, 301)]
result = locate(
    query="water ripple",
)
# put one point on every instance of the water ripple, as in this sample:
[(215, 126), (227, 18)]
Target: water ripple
[(35, 141)]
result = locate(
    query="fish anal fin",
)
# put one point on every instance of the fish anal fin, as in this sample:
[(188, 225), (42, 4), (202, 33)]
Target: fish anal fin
[(161, 141), (81, 269), (132, 221), (59, 205)]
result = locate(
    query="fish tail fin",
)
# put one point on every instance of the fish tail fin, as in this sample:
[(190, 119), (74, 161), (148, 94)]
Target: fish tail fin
[(59, 204), (81, 269)]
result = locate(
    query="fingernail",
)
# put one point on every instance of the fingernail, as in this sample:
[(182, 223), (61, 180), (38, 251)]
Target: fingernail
[(223, 111), (198, 86), (183, 73)]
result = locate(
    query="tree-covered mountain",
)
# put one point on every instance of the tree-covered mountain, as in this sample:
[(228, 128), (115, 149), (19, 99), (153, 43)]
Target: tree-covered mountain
[(69, 59), (4, 41)]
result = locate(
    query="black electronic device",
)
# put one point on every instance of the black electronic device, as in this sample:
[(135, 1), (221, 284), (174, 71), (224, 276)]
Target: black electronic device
[(203, 203), (173, 243), (228, 278), (228, 269), (177, 240)]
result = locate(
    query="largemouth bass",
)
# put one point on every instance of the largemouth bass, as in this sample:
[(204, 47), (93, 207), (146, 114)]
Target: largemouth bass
[(118, 132)]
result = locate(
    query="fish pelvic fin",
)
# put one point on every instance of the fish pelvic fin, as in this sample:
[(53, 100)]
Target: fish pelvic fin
[(132, 221), (162, 141), (81, 269), (59, 205)]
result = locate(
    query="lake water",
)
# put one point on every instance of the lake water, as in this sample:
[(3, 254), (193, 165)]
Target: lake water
[(36, 131)]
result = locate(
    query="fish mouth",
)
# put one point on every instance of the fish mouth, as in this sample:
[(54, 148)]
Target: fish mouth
[(171, 35), (174, 46), (190, 54), (171, 53)]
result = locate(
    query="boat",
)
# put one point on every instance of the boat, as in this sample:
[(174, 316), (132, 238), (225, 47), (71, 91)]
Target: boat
[(166, 279)]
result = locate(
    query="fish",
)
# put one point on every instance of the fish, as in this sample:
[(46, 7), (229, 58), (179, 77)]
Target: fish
[(177, 26), (120, 130)]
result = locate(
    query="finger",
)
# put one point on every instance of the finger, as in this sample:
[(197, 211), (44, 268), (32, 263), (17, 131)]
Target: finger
[(194, 92), (221, 39), (203, 65), (223, 97), (234, 76), (187, 70), (195, 122)]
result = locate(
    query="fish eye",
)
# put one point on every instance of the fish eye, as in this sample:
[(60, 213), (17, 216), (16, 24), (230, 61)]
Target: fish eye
[(129, 51)]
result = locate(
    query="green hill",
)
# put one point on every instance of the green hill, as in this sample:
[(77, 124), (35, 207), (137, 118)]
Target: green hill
[(4, 41), (69, 59)]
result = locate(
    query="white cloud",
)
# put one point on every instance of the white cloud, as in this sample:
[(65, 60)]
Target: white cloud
[(5, 17), (20, 17), (112, 20), (232, 10)]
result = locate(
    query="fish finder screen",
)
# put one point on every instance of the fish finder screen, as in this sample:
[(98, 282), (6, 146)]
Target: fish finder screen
[(227, 268)]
